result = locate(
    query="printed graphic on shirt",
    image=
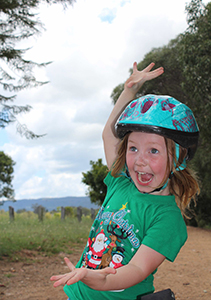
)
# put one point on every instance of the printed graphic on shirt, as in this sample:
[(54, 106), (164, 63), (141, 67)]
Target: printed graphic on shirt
[(106, 246)]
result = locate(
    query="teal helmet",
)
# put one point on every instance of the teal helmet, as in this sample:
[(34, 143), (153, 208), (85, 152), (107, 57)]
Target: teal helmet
[(161, 115)]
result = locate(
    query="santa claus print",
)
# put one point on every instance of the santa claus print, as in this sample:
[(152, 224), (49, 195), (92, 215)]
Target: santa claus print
[(96, 249)]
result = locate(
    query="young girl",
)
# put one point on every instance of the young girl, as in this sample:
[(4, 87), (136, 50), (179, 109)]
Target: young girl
[(140, 223)]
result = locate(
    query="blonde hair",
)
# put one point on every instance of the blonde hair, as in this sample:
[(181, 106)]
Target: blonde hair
[(183, 184)]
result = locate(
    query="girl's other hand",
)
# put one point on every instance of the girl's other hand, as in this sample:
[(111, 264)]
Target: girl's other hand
[(64, 278), (93, 278)]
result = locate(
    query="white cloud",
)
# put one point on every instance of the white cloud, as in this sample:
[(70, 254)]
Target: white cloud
[(91, 55)]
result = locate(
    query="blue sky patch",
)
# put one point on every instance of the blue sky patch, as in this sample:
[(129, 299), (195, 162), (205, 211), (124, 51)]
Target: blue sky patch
[(3, 137), (108, 15), (124, 2)]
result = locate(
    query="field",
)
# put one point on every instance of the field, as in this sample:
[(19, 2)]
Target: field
[(50, 236), (25, 272)]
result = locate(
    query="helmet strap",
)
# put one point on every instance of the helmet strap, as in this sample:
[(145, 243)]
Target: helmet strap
[(183, 164), (161, 188), (179, 168)]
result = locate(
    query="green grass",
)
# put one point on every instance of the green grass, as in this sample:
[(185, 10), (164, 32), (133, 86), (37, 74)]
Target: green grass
[(9, 275), (50, 236)]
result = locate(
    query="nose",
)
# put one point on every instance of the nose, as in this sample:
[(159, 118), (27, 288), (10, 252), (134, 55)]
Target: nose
[(141, 160)]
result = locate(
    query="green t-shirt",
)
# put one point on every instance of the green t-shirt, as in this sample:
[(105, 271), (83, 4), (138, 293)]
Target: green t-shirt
[(126, 220)]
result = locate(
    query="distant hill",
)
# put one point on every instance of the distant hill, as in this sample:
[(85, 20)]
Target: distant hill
[(49, 203)]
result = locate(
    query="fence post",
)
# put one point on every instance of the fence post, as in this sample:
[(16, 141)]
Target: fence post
[(40, 212), (11, 213), (79, 213), (62, 213)]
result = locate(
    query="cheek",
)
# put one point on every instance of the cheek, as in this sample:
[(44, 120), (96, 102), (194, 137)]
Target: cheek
[(159, 166), (129, 161)]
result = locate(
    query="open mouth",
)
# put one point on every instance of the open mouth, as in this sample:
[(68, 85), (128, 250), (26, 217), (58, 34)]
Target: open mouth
[(144, 177)]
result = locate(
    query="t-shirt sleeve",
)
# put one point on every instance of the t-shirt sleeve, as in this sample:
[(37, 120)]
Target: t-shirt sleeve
[(167, 234), (108, 179), (111, 181)]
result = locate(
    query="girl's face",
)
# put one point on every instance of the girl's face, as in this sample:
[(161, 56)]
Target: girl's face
[(146, 159)]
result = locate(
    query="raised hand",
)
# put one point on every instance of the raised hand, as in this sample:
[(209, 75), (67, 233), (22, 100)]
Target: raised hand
[(137, 79)]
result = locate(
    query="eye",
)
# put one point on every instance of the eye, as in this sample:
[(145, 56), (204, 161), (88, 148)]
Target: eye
[(154, 151), (133, 149)]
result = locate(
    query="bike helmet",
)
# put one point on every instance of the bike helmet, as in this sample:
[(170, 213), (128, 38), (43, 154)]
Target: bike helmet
[(162, 115)]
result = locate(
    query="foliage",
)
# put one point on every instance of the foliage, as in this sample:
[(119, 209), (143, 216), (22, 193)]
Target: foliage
[(57, 215), (69, 211), (36, 207), (94, 179), (19, 211), (18, 21), (196, 60), (196, 66), (6, 176), (187, 63), (50, 236)]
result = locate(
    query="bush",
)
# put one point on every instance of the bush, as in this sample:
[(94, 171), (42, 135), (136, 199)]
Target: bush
[(69, 211), (48, 215), (57, 215)]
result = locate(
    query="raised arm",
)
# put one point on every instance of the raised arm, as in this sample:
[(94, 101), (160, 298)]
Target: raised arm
[(131, 87)]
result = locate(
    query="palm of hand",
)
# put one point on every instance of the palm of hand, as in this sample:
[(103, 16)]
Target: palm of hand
[(137, 79)]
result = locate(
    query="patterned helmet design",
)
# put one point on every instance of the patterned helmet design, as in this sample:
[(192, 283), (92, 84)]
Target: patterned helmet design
[(162, 115)]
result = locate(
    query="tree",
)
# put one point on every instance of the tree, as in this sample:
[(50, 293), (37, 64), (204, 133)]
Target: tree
[(196, 64), (36, 208), (94, 179), (6, 176), (69, 211), (18, 21), (187, 63)]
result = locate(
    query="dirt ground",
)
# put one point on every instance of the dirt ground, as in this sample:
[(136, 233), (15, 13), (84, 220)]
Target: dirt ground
[(189, 276)]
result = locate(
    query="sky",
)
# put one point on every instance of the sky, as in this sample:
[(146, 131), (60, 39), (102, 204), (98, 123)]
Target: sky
[(92, 46)]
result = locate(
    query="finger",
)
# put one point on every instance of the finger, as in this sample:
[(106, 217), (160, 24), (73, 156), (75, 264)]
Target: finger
[(161, 69), (135, 66), (79, 274), (76, 277), (156, 73), (149, 67), (69, 264), (56, 277), (130, 84), (58, 283), (59, 280), (109, 270), (63, 280)]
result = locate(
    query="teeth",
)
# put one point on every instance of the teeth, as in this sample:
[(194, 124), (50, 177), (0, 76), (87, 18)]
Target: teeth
[(144, 180)]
